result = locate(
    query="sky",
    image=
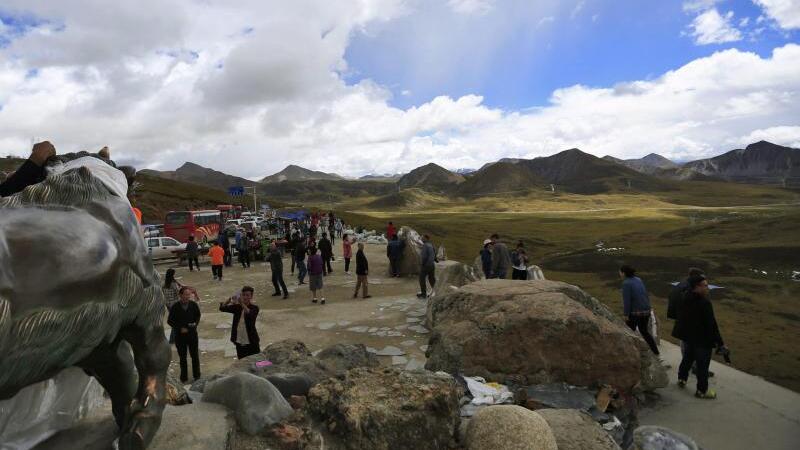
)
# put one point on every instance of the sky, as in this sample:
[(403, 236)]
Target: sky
[(361, 87)]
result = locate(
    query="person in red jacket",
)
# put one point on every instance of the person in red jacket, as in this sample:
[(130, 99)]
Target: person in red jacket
[(390, 231)]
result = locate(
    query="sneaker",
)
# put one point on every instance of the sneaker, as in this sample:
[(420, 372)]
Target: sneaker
[(314, 301), (322, 302), (708, 395), (681, 384)]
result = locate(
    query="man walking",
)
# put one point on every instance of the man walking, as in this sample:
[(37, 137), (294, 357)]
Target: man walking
[(300, 260), (675, 299), (347, 253), (486, 258), (501, 258), (192, 253), (183, 317), (519, 263), (243, 328), (326, 251), (217, 255), (362, 270), (697, 328), (394, 251), (276, 266), (427, 269)]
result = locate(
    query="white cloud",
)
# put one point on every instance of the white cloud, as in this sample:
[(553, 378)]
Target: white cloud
[(577, 9), (247, 91), (545, 20), (698, 5), (788, 136), (744, 22), (710, 27), (785, 12), (471, 7)]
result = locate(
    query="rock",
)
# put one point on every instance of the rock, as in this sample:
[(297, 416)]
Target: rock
[(415, 364), (535, 273), (509, 427), (176, 393), (339, 358), (535, 332), (660, 438), (290, 384), (399, 360), (297, 401), (409, 343), (419, 329), (558, 396), (255, 402), (477, 266), (451, 275), (287, 436), (390, 351), (359, 329), (382, 409), (575, 430), (409, 262)]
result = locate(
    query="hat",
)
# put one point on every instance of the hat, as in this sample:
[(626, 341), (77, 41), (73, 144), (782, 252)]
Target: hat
[(487, 241)]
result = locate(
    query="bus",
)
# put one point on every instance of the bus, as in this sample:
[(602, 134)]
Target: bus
[(230, 211), (203, 225)]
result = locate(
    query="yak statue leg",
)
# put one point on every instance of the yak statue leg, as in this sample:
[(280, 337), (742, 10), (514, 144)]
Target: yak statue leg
[(151, 354), (112, 366)]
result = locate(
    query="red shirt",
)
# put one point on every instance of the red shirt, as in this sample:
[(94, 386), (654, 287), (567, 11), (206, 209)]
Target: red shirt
[(390, 231)]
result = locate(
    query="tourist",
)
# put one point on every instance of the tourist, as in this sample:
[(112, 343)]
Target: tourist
[(697, 329), (315, 271), (276, 266), (170, 290), (391, 231), (486, 258), (183, 318), (519, 263), (32, 171), (243, 247), (362, 270), (347, 252), (192, 253), (427, 266), (224, 242), (394, 251), (338, 227), (636, 305), (676, 296), (243, 332), (501, 259), (291, 247), (300, 260), (332, 228), (326, 251), (217, 255)]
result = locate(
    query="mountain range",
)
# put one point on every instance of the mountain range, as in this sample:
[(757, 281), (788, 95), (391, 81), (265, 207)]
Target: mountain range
[(570, 171)]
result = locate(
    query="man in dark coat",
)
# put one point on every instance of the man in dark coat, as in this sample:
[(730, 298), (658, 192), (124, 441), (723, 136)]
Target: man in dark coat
[(326, 251), (697, 328), (362, 270), (394, 251), (183, 318), (276, 266), (243, 329), (30, 172), (192, 254)]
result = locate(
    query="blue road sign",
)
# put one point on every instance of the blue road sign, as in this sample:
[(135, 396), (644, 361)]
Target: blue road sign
[(235, 191)]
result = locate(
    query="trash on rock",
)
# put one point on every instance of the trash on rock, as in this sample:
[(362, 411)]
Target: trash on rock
[(484, 393)]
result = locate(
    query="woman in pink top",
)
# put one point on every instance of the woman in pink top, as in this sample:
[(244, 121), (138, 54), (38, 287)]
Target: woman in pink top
[(347, 252)]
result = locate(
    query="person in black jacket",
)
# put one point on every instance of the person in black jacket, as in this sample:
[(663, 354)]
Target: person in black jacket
[(30, 172), (676, 295), (276, 266), (183, 318), (394, 251), (326, 251), (192, 254), (697, 328), (243, 332), (362, 270)]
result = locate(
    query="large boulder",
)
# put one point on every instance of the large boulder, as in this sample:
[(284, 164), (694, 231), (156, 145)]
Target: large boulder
[(255, 402), (409, 263), (509, 427), (384, 409), (451, 275), (659, 438), (575, 430), (534, 332)]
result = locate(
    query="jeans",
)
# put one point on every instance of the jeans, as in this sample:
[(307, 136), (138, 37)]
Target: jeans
[(429, 273), (189, 342), (326, 265), (641, 323), (193, 259), (517, 274), (702, 356), (301, 270), (217, 271), (361, 280), (394, 263), (227, 259), (347, 264), (278, 283)]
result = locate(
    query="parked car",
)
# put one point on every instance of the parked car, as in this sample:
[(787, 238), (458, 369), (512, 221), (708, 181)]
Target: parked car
[(153, 230), (164, 247)]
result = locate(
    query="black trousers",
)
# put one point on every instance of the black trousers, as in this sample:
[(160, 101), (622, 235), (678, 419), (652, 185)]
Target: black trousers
[(427, 273), (278, 283), (347, 264), (394, 263), (244, 258), (217, 271), (184, 342), (326, 265), (695, 354), (293, 260), (227, 258), (517, 274), (243, 351), (193, 259), (640, 322)]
